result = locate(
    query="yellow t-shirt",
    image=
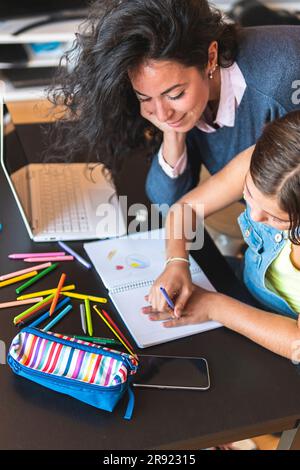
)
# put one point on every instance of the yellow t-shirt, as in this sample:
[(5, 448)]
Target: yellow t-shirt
[(283, 278)]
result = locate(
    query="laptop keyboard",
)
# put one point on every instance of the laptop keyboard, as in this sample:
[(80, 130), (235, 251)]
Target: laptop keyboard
[(62, 207)]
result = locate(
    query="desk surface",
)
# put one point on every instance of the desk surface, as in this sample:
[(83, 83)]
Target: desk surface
[(253, 391)]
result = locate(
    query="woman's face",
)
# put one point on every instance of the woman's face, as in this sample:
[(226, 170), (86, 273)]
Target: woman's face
[(172, 96), (264, 209)]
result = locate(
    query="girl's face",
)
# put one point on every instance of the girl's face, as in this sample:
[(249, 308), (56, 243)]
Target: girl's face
[(171, 96), (264, 209)]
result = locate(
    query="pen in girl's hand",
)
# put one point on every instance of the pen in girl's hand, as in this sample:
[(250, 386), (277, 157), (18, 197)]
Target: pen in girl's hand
[(166, 296)]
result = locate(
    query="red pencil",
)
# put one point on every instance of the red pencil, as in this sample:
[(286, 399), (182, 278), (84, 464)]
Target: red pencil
[(116, 328), (57, 293)]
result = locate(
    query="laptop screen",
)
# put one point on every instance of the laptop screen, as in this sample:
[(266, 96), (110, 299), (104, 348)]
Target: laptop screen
[(16, 163)]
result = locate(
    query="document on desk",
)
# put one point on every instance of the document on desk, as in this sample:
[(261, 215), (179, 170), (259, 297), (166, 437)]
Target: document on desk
[(128, 267)]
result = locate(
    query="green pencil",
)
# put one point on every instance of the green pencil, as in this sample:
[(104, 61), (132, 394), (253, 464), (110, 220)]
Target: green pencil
[(33, 309), (36, 278), (94, 339)]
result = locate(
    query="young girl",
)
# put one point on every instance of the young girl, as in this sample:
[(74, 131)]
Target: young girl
[(269, 181)]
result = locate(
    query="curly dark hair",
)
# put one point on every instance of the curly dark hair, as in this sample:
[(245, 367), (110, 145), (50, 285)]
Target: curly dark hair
[(103, 111), (275, 167)]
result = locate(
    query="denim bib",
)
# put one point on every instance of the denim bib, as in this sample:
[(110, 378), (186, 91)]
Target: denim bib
[(264, 245)]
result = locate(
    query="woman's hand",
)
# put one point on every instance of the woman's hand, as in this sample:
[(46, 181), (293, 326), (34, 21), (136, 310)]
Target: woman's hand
[(173, 142), (176, 279), (151, 117), (196, 311)]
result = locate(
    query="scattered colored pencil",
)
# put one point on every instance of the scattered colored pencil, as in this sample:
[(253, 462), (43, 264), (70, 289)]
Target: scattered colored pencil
[(110, 320), (18, 279), (45, 292), (45, 315), (53, 254), (57, 293), (24, 271), (58, 317), (92, 298), (76, 255), (97, 340), (83, 318), (17, 303), (114, 332), (36, 278), (88, 317), (53, 258), (33, 309)]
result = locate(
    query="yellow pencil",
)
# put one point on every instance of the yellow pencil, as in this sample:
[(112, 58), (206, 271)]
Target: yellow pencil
[(114, 331), (102, 300), (18, 278), (88, 317), (45, 292)]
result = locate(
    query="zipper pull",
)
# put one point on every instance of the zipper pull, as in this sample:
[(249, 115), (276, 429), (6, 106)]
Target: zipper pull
[(131, 366)]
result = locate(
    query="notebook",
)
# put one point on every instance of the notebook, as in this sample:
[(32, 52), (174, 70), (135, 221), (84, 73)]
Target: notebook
[(128, 266)]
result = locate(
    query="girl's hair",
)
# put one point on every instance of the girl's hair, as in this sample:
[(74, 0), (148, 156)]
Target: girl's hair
[(275, 167), (103, 112)]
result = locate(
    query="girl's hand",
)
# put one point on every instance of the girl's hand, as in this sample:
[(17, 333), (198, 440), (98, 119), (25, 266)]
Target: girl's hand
[(176, 279), (196, 311)]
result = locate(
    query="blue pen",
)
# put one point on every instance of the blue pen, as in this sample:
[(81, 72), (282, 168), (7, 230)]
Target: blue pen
[(76, 255), (58, 317), (169, 301), (46, 315)]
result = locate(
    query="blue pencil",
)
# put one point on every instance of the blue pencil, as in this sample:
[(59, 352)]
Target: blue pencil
[(169, 301), (76, 255), (44, 317), (58, 317)]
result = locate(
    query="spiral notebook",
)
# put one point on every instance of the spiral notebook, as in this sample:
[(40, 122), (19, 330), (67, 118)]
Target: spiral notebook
[(128, 267)]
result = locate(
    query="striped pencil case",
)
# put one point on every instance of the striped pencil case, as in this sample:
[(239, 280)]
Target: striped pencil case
[(91, 373)]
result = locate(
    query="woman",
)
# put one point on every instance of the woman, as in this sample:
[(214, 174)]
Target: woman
[(173, 72)]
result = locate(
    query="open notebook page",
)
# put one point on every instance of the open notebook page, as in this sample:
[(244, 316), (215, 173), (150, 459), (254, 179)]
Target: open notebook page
[(128, 266)]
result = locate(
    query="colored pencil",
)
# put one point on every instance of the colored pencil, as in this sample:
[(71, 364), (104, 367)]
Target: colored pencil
[(38, 267), (83, 318), (36, 278), (97, 340), (18, 279), (36, 255), (114, 332), (88, 317), (45, 315), (58, 317), (76, 255), (57, 293), (92, 298), (110, 320), (17, 303), (33, 309), (53, 258), (45, 292)]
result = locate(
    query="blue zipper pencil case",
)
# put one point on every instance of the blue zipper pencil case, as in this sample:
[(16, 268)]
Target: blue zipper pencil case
[(89, 372)]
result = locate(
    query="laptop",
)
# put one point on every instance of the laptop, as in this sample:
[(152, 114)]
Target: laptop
[(59, 201)]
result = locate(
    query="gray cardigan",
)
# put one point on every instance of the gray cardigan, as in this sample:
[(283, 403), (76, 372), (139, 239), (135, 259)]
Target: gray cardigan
[(269, 58)]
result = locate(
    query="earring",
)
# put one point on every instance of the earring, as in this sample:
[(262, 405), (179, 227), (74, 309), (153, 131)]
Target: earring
[(211, 73)]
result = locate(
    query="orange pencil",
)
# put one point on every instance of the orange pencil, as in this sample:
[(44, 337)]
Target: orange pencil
[(57, 293)]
